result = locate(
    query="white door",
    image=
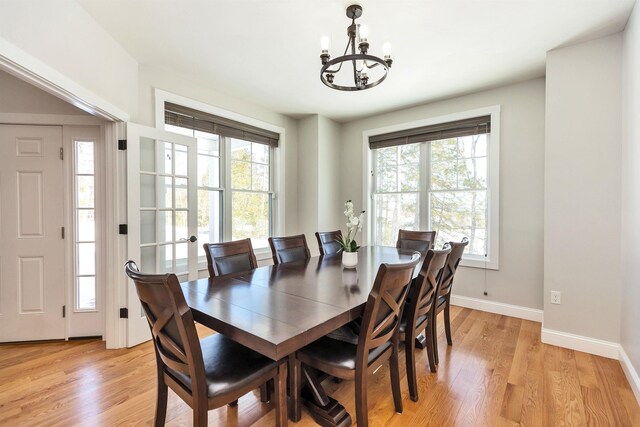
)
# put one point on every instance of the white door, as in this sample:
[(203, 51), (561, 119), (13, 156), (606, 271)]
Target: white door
[(32, 252), (162, 211)]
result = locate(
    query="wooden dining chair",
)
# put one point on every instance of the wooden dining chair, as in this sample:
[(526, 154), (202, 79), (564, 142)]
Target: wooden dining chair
[(230, 257), (327, 242), (444, 288), (419, 312), (378, 340), (288, 249), (206, 373), (420, 241)]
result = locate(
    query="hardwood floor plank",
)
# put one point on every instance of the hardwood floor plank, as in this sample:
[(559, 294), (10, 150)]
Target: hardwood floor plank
[(496, 373), (594, 407)]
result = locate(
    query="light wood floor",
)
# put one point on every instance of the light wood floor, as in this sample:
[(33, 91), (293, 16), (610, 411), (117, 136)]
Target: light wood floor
[(497, 373)]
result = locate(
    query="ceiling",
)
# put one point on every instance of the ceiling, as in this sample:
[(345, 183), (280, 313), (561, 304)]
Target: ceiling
[(267, 52)]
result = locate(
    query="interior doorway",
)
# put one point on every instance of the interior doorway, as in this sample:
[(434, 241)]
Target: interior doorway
[(52, 178)]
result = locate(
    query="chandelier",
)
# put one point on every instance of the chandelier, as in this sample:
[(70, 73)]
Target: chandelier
[(368, 70)]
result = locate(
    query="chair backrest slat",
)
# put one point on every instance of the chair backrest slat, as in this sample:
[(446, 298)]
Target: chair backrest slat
[(420, 241), (230, 257), (425, 287), (288, 249), (327, 242), (381, 319), (451, 266)]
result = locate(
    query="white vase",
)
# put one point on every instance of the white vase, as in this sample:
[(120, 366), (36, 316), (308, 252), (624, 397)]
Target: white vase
[(349, 259)]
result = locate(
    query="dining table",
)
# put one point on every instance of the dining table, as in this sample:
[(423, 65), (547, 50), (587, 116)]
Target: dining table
[(278, 309)]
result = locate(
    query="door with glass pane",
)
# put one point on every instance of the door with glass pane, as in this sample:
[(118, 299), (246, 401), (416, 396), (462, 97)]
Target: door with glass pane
[(162, 211)]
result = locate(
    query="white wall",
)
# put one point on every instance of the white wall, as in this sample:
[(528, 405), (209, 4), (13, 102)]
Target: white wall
[(319, 206), (330, 207), (17, 96), (519, 280), (308, 139), (582, 189), (630, 316), (63, 36)]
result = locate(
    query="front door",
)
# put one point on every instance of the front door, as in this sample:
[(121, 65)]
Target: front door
[(162, 211), (32, 250)]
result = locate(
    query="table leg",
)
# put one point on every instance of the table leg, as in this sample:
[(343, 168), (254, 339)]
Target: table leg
[(325, 410)]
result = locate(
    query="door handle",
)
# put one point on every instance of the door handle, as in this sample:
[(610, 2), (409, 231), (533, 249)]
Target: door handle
[(190, 239)]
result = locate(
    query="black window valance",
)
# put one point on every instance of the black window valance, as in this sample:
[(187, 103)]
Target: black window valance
[(189, 118), (455, 129)]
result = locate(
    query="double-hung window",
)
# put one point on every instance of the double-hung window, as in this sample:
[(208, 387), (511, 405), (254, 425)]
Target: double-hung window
[(235, 176), (441, 177)]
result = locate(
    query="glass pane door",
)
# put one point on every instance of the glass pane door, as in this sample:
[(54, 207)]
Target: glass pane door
[(165, 207), (162, 210)]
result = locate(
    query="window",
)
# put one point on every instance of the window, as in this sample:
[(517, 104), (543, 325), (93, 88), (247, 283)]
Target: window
[(458, 191), (85, 225), (235, 176), (439, 177)]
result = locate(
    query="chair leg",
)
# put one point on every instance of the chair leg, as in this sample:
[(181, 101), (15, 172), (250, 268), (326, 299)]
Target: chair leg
[(295, 384), (434, 338), (161, 402), (447, 322), (280, 395), (394, 371), (200, 415), (265, 391), (433, 367), (362, 413), (410, 356)]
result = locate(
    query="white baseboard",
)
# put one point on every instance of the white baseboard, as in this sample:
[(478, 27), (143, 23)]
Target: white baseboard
[(631, 373), (595, 346), (497, 307)]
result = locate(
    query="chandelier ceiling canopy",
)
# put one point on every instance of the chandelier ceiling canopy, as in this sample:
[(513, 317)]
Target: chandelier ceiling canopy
[(368, 70)]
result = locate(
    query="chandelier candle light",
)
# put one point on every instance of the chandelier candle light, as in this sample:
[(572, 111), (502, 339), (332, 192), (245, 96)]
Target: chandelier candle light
[(348, 242), (362, 63)]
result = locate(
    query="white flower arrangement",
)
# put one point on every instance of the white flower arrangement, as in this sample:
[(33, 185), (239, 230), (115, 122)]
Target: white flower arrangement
[(354, 225)]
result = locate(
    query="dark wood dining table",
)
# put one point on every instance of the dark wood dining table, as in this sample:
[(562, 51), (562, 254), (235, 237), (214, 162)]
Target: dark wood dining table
[(278, 309)]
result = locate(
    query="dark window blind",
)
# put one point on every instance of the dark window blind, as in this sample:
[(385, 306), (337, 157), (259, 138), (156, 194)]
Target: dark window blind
[(456, 129), (189, 118)]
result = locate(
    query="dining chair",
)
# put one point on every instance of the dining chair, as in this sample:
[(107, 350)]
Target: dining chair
[(206, 373), (288, 249), (230, 257), (378, 341), (420, 241), (419, 312), (444, 289), (327, 242)]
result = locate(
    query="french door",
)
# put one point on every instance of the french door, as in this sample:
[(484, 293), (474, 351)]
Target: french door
[(162, 211)]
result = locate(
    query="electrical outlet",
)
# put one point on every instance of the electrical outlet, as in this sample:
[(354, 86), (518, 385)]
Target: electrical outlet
[(556, 297)]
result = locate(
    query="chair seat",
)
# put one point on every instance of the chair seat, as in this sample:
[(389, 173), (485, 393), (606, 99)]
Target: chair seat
[(228, 365), (339, 354)]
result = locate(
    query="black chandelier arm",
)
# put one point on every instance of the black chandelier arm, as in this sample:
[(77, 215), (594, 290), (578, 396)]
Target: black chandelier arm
[(348, 58)]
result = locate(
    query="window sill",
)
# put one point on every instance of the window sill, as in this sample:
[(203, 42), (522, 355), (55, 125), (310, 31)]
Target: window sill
[(263, 254), (479, 263)]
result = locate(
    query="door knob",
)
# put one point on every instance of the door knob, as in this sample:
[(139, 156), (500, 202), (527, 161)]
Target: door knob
[(190, 239)]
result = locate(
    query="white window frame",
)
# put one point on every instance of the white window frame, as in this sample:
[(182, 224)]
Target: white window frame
[(277, 160), (491, 261)]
